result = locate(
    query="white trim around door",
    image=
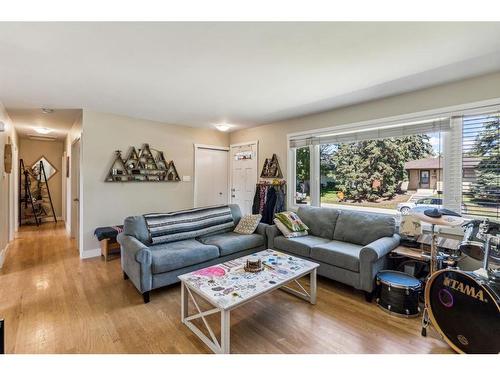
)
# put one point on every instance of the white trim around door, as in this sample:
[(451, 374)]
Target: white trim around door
[(198, 146)]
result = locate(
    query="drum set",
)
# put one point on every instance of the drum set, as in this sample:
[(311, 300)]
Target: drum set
[(464, 307)]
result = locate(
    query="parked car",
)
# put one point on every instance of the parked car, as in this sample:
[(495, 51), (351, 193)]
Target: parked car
[(405, 207)]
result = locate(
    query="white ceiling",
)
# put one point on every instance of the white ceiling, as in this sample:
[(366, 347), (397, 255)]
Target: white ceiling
[(27, 120), (199, 74)]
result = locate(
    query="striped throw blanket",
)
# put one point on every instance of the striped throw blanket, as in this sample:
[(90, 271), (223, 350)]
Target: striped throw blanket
[(182, 225)]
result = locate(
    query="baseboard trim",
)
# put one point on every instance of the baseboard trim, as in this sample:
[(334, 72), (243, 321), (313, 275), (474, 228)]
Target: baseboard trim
[(92, 253), (3, 252)]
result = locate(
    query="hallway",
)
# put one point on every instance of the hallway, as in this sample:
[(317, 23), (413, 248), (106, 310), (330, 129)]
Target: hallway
[(54, 302)]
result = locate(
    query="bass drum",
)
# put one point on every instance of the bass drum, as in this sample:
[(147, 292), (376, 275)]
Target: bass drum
[(465, 310)]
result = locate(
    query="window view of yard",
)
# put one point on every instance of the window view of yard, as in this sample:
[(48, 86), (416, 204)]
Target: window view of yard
[(400, 173), (383, 174)]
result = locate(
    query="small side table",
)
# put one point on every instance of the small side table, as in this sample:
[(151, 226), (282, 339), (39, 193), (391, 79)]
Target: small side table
[(108, 247)]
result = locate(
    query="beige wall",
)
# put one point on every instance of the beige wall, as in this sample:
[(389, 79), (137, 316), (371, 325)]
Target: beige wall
[(8, 192), (31, 150), (106, 203), (272, 137)]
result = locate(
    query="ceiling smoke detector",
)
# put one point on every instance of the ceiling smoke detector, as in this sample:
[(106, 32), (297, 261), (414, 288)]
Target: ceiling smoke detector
[(47, 110)]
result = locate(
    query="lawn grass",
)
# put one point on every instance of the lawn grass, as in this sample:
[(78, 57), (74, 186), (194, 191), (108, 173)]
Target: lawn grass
[(330, 197)]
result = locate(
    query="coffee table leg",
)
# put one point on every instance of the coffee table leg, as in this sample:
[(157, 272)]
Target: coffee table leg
[(184, 302), (313, 286), (225, 331)]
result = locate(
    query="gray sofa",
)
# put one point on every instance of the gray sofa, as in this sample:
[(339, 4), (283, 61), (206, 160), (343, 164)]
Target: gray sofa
[(153, 266), (350, 246)]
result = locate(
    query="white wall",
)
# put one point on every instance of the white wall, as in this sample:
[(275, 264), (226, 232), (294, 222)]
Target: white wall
[(272, 137), (8, 191), (107, 203)]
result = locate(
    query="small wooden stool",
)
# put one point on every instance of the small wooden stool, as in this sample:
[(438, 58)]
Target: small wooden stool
[(108, 247)]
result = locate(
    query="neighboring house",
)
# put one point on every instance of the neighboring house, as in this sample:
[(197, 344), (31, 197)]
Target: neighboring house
[(428, 173), (425, 173)]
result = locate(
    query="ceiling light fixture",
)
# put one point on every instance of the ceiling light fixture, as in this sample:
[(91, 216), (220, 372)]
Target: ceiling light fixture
[(43, 130), (47, 110), (223, 127)]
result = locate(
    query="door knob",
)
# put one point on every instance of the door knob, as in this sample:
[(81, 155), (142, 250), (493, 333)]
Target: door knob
[(220, 193), (76, 200)]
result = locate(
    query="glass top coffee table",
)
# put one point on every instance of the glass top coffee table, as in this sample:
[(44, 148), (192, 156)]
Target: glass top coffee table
[(227, 286)]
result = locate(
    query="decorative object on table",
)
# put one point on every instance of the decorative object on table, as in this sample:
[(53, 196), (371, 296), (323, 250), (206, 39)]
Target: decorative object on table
[(35, 201), (292, 221), (271, 168), (7, 158), (248, 224), (142, 165), (287, 232), (269, 199), (398, 293), (253, 264)]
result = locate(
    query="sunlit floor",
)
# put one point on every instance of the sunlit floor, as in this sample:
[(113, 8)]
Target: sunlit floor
[(54, 302)]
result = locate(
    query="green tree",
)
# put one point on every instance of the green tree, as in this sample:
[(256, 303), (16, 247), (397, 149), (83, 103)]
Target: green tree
[(486, 148), (368, 170)]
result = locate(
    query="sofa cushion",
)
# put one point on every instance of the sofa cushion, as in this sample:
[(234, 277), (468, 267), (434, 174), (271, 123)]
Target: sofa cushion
[(300, 246), (231, 242), (174, 255), (362, 228), (341, 254), (321, 221), (135, 226)]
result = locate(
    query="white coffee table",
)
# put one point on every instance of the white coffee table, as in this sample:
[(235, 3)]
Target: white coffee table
[(227, 286)]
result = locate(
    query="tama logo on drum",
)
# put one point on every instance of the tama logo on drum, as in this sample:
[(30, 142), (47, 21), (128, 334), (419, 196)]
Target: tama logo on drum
[(465, 289)]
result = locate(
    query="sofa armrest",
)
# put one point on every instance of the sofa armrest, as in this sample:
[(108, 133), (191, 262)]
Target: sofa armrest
[(272, 231), (136, 261), (372, 259), (378, 248)]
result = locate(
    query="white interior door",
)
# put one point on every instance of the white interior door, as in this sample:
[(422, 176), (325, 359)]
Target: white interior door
[(244, 175), (211, 176)]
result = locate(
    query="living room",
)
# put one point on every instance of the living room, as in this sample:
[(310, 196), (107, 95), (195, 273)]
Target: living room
[(250, 188)]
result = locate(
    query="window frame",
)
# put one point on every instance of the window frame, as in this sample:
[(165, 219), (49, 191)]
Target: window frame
[(450, 137)]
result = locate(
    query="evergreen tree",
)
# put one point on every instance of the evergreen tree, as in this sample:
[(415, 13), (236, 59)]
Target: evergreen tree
[(369, 170), (486, 148)]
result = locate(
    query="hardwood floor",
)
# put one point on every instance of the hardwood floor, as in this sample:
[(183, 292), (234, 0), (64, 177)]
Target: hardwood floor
[(54, 302)]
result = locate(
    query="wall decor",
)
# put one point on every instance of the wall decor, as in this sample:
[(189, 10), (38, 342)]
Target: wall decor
[(49, 169), (142, 165), (271, 168), (7, 158), (67, 166)]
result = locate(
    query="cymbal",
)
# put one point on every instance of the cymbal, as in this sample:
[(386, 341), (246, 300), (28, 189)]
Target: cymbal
[(439, 217)]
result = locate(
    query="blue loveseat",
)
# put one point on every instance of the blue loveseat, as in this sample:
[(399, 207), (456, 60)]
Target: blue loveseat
[(151, 263), (350, 246)]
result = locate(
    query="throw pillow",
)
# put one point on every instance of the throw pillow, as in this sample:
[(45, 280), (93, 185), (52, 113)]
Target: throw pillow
[(291, 221), (287, 232), (248, 224)]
